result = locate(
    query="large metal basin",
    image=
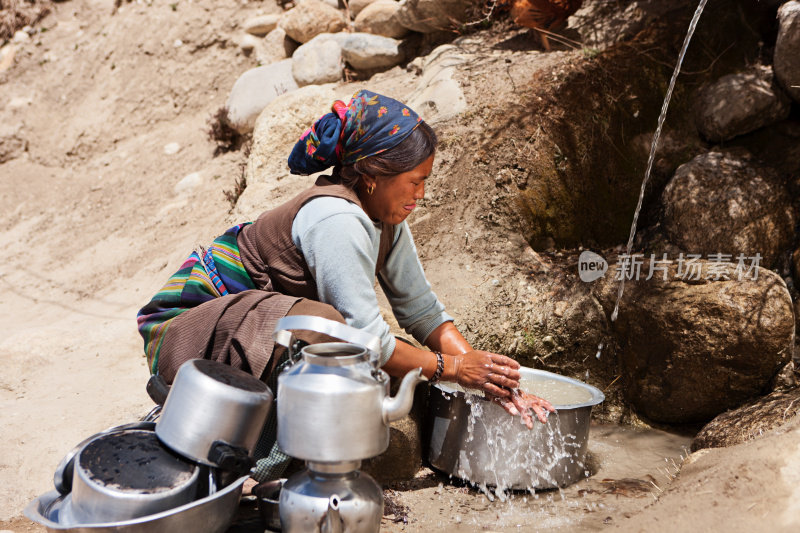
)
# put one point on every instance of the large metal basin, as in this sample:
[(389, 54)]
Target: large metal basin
[(476, 440)]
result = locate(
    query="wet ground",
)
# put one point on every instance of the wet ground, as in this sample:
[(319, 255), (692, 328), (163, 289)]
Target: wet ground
[(631, 467)]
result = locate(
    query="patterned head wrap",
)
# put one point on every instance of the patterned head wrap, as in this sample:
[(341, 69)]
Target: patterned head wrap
[(370, 124)]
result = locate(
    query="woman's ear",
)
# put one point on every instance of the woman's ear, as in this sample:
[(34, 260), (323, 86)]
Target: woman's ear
[(368, 181)]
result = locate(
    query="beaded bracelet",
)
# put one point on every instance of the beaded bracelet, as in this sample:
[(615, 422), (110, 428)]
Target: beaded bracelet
[(439, 368)]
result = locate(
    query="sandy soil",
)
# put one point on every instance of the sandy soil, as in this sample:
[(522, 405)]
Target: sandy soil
[(94, 217)]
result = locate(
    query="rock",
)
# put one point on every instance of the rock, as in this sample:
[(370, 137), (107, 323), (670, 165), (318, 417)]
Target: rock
[(12, 144), (428, 16), (719, 202), (275, 47), (357, 6), (20, 37), (438, 96), (740, 103), (689, 349), (786, 59), (403, 458), (261, 24), (749, 422), (171, 148), (318, 61), (7, 54), (248, 43), (310, 18), (380, 18), (364, 51), (277, 128), (189, 182), (254, 90)]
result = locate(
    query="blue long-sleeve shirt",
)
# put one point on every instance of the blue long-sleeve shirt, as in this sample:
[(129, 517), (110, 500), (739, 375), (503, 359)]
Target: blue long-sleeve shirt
[(340, 245)]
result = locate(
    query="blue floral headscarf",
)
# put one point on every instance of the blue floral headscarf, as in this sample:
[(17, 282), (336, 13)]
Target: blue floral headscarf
[(370, 124)]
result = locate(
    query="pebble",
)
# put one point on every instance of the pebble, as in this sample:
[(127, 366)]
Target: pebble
[(18, 102), (189, 182), (261, 25), (495, 282), (248, 43), (21, 37), (7, 54), (172, 148), (177, 43)]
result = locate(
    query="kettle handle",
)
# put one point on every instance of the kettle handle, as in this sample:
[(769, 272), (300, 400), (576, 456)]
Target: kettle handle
[(283, 335)]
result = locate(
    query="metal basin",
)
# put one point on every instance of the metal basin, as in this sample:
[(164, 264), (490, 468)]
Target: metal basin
[(476, 440), (211, 514)]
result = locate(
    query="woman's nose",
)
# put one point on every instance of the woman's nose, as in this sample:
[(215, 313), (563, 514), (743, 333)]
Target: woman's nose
[(419, 194)]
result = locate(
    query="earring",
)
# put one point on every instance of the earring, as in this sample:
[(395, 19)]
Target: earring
[(371, 189)]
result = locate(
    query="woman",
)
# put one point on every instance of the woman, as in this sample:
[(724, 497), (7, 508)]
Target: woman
[(318, 254)]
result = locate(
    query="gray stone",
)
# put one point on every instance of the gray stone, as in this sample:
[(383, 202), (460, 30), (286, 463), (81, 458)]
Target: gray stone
[(318, 61), (438, 96), (750, 421), (261, 24), (380, 18), (12, 144), (787, 49), (690, 349), (189, 183), (275, 47), (357, 6), (740, 103), (428, 16), (254, 90), (364, 51), (310, 18), (719, 202)]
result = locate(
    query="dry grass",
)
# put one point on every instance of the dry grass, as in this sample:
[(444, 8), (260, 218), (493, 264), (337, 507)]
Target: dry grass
[(223, 134), (16, 14)]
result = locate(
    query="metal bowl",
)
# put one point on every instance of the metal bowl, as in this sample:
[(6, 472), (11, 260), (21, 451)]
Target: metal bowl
[(211, 514), (476, 440), (268, 495)]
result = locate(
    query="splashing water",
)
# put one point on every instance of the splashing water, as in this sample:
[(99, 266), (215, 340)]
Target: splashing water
[(654, 146)]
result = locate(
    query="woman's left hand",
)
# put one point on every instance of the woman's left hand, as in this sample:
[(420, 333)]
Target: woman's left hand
[(521, 403)]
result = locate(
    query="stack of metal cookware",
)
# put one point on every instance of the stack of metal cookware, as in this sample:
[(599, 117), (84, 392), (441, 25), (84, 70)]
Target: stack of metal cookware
[(181, 469), (334, 410)]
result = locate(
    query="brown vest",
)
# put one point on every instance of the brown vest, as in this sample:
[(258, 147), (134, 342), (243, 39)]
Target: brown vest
[(273, 261)]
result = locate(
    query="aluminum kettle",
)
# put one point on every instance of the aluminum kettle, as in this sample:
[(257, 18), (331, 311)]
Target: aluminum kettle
[(333, 402)]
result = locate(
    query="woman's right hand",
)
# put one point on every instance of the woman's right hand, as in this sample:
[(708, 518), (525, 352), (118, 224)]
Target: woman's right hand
[(492, 373)]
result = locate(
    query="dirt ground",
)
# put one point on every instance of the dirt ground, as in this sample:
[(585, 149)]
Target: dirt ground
[(95, 215)]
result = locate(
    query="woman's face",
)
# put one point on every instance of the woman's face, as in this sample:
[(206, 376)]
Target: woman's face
[(395, 198)]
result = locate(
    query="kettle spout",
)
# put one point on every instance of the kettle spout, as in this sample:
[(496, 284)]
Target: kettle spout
[(399, 406), (332, 521)]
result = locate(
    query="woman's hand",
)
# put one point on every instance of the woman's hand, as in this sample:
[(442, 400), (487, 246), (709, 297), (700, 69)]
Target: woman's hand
[(521, 403), (492, 373)]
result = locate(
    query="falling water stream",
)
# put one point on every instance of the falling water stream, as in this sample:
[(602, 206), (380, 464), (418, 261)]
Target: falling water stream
[(653, 149)]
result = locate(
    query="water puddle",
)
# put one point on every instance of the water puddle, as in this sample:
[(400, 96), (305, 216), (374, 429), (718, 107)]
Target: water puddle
[(630, 467)]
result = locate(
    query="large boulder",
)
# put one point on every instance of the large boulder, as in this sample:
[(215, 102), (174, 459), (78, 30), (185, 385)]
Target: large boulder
[(318, 61), (364, 51), (723, 203), (787, 49), (380, 18), (357, 6), (277, 128), (254, 90), (750, 421), (310, 18), (691, 347), (740, 103), (428, 16), (274, 47), (439, 96)]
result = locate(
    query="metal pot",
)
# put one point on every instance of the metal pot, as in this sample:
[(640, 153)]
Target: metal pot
[(333, 402), (478, 441), (214, 414), (129, 474)]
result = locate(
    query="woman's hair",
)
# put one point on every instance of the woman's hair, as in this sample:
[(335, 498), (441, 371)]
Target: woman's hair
[(408, 155)]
